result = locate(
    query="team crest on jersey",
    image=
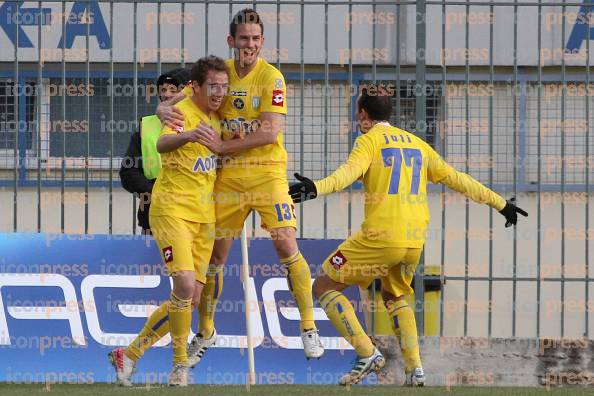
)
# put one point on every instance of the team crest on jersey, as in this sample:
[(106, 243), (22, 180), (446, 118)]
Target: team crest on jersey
[(238, 103), (256, 102), (168, 254), (278, 83), (278, 97), (338, 260)]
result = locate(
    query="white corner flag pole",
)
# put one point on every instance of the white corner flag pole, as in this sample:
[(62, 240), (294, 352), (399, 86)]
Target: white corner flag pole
[(245, 271)]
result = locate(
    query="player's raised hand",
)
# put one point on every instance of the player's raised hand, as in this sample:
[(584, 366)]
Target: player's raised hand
[(208, 137), (510, 212), (304, 190), (170, 116)]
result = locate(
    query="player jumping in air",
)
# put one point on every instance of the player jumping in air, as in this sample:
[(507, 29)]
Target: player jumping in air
[(253, 177), (182, 220), (395, 166)]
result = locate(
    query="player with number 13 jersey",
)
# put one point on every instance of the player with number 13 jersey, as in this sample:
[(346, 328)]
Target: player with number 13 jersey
[(252, 177), (262, 90)]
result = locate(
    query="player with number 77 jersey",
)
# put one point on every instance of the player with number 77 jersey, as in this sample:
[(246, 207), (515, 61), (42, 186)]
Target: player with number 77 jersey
[(395, 167)]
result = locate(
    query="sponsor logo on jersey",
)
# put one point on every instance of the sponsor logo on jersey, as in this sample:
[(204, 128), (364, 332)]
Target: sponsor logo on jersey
[(205, 164), (240, 125), (168, 254), (278, 83), (238, 93), (338, 260), (278, 97)]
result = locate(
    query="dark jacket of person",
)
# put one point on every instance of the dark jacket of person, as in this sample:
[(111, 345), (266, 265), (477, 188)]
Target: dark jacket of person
[(134, 181)]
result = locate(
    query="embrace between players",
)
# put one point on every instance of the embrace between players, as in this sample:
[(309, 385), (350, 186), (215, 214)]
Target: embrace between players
[(234, 110)]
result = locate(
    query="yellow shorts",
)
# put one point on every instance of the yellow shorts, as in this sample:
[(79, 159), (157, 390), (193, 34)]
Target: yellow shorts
[(184, 245), (236, 198), (354, 263)]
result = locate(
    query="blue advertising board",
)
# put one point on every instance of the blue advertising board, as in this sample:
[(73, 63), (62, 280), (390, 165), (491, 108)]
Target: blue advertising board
[(67, 300)]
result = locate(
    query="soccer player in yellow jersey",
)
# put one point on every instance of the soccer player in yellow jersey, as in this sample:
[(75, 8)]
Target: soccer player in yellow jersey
[(182, 218), (252, 177), (395, 166)]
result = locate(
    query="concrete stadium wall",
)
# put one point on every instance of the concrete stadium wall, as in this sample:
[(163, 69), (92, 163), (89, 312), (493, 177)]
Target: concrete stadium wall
[(455, 361)]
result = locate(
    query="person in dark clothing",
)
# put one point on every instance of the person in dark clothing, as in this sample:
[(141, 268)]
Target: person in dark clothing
[(138, 176)]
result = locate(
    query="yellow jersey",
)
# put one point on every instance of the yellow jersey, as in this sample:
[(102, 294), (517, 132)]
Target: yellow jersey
[(184, 187), (395, 166), (262, 90)]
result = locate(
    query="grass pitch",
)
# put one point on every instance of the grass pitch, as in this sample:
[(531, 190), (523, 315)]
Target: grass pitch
[(275, 390)]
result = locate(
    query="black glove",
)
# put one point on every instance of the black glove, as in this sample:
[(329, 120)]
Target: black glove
[(303, 191), (510, 212)]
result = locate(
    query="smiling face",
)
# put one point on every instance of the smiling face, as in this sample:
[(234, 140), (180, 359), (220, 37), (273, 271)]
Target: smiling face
[(247, 43), (211, 93)]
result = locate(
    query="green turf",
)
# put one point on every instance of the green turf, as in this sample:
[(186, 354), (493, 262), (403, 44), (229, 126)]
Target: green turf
[(275, 390)]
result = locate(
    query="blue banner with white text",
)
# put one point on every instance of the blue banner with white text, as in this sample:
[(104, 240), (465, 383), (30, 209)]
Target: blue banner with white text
[(67, 300)]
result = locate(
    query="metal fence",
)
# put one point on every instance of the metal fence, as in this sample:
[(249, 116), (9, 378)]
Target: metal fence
[(501, 89)]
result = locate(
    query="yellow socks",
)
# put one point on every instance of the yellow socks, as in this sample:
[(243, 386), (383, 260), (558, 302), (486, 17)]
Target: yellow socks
[(405, 329), (156, 326), (180, 317), (342, 315), (299, 279), (209, 298)]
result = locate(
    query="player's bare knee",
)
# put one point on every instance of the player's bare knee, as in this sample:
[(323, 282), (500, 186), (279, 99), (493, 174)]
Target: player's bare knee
[(219, 258), (318, 288), (220, 251), (183, 284), (284, 241), (282, 233), (183, 292), (323, 284)]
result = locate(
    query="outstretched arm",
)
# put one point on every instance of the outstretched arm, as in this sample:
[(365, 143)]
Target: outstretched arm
[(469, 186), (357, 164), (441, 172)]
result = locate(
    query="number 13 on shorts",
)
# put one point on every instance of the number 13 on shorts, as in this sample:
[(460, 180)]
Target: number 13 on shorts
[(285, 211)]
